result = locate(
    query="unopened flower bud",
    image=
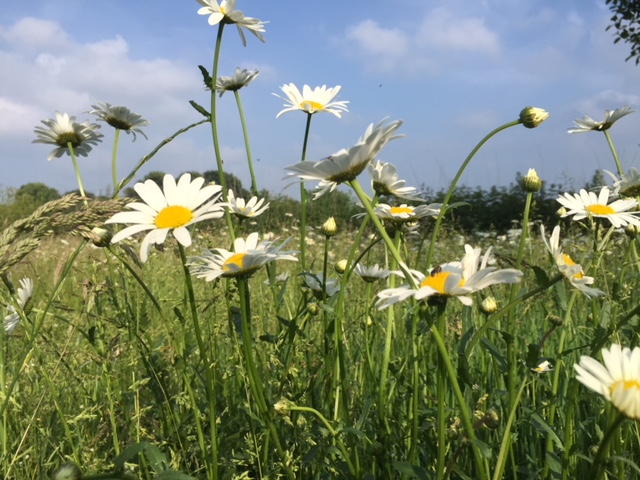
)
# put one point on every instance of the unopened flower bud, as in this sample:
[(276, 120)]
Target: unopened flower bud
[(330, 227), (101, 237), (491, 419), (313, 308), (561, 212), (489, 306), (531, 183), (531, 117), (68, 471), (283, 406), (631, 231), (340, 266), (555, 320)]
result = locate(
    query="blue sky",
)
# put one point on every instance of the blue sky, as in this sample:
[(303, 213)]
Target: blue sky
[(451, 69)]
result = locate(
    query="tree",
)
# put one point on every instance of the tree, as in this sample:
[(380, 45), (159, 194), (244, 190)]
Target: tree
[(626, 21), (37, 192)]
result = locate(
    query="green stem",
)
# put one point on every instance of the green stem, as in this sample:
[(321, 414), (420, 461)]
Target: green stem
[(303, 199), (255, 380), (77, 170), (506, 440), (447, 198), (212, 469), (613, 152), (114, 159), (603, 450), (441, 380), (245, 133)]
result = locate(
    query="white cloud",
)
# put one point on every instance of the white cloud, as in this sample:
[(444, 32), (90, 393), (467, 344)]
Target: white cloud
[(35, 34), (442, 30), (377, 40)]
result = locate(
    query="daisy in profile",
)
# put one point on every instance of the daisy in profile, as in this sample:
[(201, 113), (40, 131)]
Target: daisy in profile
[(226, 12), (570, 269), (242, 209), (406, 213), (618, 380), (64, 129), (455, 279), (320, 99), (120, 118), (628, 185), (588, 204), (315, 281), (23, 295), (347, 164), (172, 208), (233, 83), (587, 124), (246, 258), (371, 274), (385, 182)]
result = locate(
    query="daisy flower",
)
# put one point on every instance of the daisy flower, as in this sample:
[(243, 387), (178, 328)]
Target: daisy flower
[(628, 185), (454, 279), (570, 269), (120, 118), (245, 259), (314, 282), (226, 12), (23, 295), (347, 164), (384, 181), (588, 204), (235, 82), (371, 274), (618, 380), (238, 207), (64, 130), (544, 365), (320, 99), (406, 213), (588, 124), (173, 208)]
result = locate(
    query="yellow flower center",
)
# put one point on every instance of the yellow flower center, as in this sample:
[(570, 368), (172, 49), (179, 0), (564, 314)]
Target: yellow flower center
[(173, 216), (311, 106), (626, 385), (401, 210), (236, 259), (600, 209), (437, 281), (568, 261)]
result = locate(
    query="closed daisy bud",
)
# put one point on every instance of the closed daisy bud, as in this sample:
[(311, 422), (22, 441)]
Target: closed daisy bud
[(341, 266), (531, 117), (282, 407), (68, 471), (555, 320), (531, 183), (491, 419), (101, 237), (561, 212), (631, 231), (313, 308), (330, 227), (489, 306)]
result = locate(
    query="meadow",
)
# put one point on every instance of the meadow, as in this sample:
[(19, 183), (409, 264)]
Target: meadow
[(173, 334)]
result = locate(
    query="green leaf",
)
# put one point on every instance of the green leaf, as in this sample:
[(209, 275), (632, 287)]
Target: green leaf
[(173, 475), (485, 450), (128, 455), (200, 109), (541, 425), (411, 471), (157, 460), (492, 349)]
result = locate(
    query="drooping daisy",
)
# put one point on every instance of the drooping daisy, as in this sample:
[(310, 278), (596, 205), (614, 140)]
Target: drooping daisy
[(226, 12), (570, 269), (455, 279), (618, 380), (314, 282), (243, 209), (120, 118), (588, 124), (23, 295), (235, 82), (406, 213), (320, 99), (346, 165), (543, 365), (173, 208), (246, 258), (64, 130), (588, 204), (371, 274), (628, 185), (385, 182)]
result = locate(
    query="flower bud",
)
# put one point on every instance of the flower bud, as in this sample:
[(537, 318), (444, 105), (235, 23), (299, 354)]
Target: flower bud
[(555, 320), (491, 419), (68, 471), (313, 308), (330, 227), (531, 183), (340, 266), (283, 406), (489, 306), (531, 117), (561, 212), (101, 237), (631, 231)]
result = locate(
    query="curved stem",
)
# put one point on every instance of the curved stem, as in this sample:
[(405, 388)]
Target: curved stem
[(245, 133), (447, 198), (613, 152)]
